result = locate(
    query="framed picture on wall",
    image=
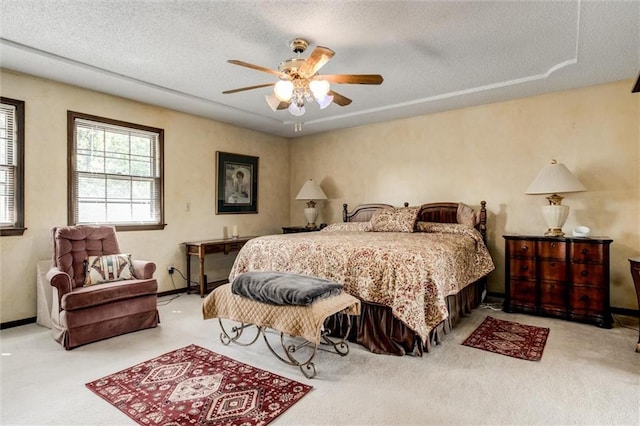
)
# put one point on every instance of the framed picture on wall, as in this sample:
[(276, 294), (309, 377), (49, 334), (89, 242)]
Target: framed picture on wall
[(236, 183)]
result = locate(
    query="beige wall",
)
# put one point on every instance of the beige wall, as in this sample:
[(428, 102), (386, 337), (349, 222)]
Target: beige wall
[(492, 152), (190, 150)]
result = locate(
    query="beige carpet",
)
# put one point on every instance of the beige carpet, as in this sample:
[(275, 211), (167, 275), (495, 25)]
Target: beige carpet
[(587, 376)]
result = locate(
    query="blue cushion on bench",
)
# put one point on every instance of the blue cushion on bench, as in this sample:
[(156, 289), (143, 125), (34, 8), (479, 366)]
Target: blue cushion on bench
[(280, 288)]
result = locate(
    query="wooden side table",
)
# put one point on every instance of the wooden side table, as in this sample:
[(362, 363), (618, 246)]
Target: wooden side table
[(635, 273), (297, 229), (203, 248)]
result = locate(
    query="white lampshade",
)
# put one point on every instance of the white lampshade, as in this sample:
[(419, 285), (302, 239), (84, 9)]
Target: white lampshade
[(272, 101), (296, 110), (324, 101), (283, 90), (553, 179), (311, 191), (319, 88)]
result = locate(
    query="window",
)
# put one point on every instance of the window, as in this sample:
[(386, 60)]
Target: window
[(11, 167), (115, 173)]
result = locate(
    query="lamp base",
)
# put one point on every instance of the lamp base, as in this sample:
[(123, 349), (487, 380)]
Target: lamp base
[(555, 215), (311, 213), (554, 232)]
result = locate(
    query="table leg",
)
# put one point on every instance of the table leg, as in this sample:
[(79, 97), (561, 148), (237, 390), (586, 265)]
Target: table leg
[(203, 284), (635, 274), (188, 271)]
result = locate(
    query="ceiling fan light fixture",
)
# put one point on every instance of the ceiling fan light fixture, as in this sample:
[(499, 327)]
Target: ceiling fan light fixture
[(296, 110), (319, 88), (299, 82), (324, 101), (283, 90)]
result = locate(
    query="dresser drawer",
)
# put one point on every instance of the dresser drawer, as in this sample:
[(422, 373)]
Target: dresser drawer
[(523, 291), (587, 252), (583, 273), (553, 294), (236, 246), (553, 270), (552, 250), (522, 268), (220, 248), (521, 248), (586, 299)]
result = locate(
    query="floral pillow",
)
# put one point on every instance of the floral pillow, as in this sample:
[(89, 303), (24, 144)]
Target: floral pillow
[(396, 219), (347, 226), (438, 227), (467, 215), (107, 268)]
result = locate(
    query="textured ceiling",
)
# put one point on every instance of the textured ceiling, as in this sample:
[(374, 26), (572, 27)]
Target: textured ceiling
[(434, 56)]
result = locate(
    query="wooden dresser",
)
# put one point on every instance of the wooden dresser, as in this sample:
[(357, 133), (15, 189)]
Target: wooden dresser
[(561, 277), (635, 274)]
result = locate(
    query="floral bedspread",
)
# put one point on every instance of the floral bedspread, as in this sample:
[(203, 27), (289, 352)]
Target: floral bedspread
[(412, 273)]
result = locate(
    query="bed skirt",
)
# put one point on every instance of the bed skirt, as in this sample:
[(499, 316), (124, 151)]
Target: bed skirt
[(379, 331)]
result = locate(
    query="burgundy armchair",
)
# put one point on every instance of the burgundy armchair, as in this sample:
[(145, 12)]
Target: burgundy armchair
[(83, 314)]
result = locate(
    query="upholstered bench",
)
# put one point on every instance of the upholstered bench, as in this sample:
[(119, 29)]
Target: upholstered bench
[(302, 321)]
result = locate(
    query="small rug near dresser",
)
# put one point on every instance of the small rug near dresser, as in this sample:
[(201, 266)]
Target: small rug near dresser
[(194, 386), (509, 338)]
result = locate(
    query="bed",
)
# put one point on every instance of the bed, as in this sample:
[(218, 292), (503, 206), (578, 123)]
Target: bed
[(416, 270)]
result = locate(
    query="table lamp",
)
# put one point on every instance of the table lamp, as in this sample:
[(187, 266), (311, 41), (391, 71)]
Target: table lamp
[(311, 191), (555, 178)]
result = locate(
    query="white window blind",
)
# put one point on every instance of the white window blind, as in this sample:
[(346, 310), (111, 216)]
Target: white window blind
[(8, 165), (116, 174)]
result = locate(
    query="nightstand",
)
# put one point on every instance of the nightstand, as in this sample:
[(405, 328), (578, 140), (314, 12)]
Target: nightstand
[(635, 274), (296, 229), (562, 277)]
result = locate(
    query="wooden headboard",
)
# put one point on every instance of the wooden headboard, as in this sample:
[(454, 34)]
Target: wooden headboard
[(362, 213), (431, 212)]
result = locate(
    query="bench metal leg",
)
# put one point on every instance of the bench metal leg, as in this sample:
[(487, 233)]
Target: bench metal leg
[(236, 333), (292, 346)]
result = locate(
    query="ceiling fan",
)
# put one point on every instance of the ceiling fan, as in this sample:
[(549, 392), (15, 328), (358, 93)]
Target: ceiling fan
[(299, 81)]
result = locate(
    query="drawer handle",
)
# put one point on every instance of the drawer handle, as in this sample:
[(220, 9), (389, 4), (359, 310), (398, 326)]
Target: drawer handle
[(584, 273), (524, 268), (553, 264), (584, 298), (524, 248), (585, 251), (553, 245)]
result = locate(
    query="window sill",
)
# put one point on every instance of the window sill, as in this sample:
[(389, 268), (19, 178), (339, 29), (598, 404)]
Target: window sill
[(158, 227), (11, 232)]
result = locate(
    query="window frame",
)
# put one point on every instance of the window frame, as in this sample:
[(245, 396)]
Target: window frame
[(18, 226), (71, 169)]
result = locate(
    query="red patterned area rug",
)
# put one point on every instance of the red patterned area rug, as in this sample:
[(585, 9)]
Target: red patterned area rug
[(194, 386), (509, 338)]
